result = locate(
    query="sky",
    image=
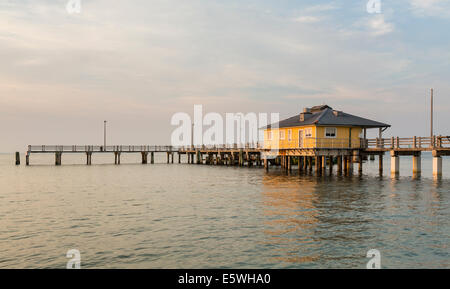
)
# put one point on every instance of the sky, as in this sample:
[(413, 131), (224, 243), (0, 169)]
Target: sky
[(137, 63)]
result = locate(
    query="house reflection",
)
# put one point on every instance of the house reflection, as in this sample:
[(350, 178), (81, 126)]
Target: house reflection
[(291, 216), (303, 214)]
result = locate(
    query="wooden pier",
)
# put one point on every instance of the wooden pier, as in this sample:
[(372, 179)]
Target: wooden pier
[(305, 159)]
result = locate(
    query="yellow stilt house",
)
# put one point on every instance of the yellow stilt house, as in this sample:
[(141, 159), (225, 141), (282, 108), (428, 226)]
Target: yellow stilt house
[(320, 127)]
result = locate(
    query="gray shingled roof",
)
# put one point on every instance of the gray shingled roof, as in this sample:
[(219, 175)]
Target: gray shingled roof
[(325, 116)]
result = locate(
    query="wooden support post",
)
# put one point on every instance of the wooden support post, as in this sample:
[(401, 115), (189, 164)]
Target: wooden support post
[(172, 154), (339, 164), (289, 163), (89, 158), (437, 166), (310, 163), (17, 158), (299, 163), (331, 165), (360, 164), (58, 158), (144, 157), (152, 157), (345, 162), (266, 164), (27, 159), (350, 164), (241, 157), (318, 167), (179, 158), (395, 163), (417, 164), (167, 157), (380, 164), (324, 164)]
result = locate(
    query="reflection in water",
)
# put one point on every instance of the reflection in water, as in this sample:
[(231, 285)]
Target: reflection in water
[(317, 219)]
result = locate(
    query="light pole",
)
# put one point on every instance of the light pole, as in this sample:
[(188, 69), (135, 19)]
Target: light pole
[(104, 135), (431, 129), (192, 136)]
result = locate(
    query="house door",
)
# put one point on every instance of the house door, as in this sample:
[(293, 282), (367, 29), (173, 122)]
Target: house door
[(300, 138)]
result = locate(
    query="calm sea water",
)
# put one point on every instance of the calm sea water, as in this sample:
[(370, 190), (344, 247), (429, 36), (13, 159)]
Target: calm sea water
[(199, 216)]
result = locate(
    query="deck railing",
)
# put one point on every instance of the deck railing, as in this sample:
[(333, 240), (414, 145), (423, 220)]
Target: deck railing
[(421, 143), (409, 143), (97, 148), (223, 147)]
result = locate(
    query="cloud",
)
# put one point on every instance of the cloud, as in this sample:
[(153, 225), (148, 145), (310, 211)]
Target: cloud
[(431, 8), (307, 19), (378, 25)]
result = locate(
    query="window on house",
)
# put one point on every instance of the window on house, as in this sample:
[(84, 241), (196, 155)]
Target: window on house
[(289, 134), (330, 132), (308, 132), (282, 134), (269, 135)]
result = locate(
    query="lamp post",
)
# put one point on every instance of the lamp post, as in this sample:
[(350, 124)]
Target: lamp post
[(431, 123), (192, 136), (104, 135)]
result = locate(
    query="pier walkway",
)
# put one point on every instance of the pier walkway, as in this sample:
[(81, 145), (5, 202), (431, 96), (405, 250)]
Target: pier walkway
[(319, 156)]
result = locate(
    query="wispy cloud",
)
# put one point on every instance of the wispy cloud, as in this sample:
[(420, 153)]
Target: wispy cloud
[(431, 8), (378, 25), (307, 19)]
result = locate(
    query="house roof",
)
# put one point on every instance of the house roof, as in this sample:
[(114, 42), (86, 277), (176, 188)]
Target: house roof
[(323, 115)]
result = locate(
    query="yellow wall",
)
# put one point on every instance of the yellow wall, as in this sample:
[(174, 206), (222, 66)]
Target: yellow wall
[(317, 140)]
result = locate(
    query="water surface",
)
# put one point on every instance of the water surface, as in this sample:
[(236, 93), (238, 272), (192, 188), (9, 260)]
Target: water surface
[(199, 216)]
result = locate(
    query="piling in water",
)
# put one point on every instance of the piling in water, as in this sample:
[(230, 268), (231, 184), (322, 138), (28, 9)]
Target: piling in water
[(17, 158)]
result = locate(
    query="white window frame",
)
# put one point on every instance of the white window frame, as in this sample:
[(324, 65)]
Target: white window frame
[(308, 132), (282, 134), (289, 134), (330, 136)]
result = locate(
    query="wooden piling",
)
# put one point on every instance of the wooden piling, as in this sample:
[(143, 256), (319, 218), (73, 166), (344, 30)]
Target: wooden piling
[(339, 164), (395, 163), (58, 158), (331, 165), (380, 164), (417, 164), (17, 158)]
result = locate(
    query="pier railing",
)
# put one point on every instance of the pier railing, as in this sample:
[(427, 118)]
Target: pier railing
[(419, 143), (246, 146), (409, 143), (97, 148)]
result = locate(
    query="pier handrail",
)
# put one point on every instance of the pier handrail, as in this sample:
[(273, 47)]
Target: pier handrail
[(409, 142), (99, 148)]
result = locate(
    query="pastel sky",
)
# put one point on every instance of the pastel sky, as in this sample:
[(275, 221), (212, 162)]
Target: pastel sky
[(136, 63)]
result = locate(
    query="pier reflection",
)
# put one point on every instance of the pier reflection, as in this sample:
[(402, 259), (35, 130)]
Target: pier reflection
[(312, 220)]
